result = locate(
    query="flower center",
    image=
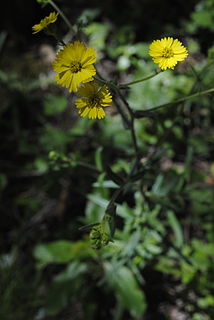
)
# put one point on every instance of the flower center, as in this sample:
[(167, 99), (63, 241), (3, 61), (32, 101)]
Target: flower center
[(75, 66), (94, 101), (167, 53)]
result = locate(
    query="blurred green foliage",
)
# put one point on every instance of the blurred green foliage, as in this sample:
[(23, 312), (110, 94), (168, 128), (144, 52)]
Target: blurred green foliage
[(58, 174)]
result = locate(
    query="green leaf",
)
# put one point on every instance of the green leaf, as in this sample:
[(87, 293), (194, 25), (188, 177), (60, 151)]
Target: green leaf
[(127, 290), (132, 243), (109, 184), (97, 33), (111, 213), (98, 158), (95, 198), (89, 226), (175, 225), (61, 251), (113, 176), (63, 288), (161, 187), (87, 16)]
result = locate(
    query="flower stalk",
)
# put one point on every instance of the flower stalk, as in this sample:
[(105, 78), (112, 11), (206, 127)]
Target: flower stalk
[(53, 4), (125, 85), (142, 113)]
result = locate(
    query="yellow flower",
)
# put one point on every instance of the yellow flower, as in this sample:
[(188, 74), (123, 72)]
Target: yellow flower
[(167, 52), (45, 22), (74, 65), (93, 100)]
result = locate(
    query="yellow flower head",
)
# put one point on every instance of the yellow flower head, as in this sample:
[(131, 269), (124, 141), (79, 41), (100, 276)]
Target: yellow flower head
[(93, 100), (45, 22), (167, 52), (74, 65)]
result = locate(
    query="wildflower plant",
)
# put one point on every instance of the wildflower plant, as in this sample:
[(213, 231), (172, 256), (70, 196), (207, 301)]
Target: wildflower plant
[(75, 69)]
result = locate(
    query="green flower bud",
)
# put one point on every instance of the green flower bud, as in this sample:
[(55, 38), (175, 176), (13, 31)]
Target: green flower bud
[(95, 233), (98, 237), (105, 239)]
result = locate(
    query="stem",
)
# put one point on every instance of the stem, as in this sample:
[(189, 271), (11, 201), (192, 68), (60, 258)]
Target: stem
[(123, 115), (125, 85), (103, 81), (52, 3), (119, 109), (139, 114), (88, 166), (131, 113)]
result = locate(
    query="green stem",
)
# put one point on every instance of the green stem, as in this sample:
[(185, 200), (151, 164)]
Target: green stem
[(104, 82), (130, 111), (62, 15), (139, 114), (125, 85), (88, 166), (123, 115), (132, 129)]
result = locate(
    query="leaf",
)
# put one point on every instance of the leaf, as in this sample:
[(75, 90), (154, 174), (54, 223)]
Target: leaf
[(63, 288), (132, 244), (111, 211), (61, 251), (175, 225), (113, 176), (157, 184), (109, 184), (89, 226), (95, 198), (98, 158), (161, 188), (97, 33), (87, 16), (126, 289), (72, 271)]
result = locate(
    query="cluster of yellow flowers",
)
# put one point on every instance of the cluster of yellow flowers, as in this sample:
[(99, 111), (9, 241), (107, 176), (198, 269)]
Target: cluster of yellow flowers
[(75, 70), (74, 67)]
